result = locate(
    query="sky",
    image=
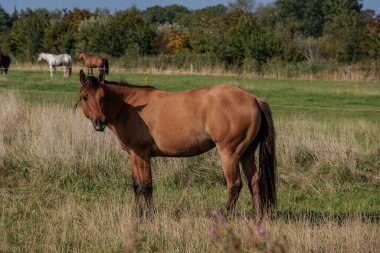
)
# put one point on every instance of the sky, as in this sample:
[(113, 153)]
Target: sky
[(114, 5)]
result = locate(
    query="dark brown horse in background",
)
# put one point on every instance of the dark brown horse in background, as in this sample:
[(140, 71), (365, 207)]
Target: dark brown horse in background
[(149, 122), (94, 62), (5, 61)]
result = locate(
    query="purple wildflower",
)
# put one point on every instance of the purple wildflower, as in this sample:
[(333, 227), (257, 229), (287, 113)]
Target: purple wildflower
[(215, 212), (261, 230)]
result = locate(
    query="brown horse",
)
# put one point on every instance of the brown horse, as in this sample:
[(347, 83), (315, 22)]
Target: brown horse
[(149, 122), (94, 62)]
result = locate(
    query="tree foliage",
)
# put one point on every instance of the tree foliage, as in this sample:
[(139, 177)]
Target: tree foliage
[(287, 31), (27, 34), (248, 40)]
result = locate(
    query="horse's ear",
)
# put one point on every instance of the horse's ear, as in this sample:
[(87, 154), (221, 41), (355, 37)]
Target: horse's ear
[(82, 77), (101, 76)]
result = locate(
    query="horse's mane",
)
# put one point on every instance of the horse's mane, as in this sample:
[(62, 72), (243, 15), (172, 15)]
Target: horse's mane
[(92, 80), (92, 84)]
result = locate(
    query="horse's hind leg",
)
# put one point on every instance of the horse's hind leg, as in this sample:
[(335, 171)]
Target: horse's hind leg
[(230, 164), (250, 171)]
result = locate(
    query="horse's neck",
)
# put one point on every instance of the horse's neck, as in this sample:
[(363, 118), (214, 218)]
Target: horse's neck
[(130, 95), (48, 57)]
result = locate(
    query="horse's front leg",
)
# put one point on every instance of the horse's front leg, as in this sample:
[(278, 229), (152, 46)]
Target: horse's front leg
[(142, 182), (51, 70)]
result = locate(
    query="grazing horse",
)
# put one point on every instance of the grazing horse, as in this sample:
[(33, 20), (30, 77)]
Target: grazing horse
[(94, 62), (5, 60), (149, 122), (55, 61)]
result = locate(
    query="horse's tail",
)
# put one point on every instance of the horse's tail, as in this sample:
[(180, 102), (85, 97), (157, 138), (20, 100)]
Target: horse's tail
[(70, 64), (106, 66), (267, 158), (70, 68)]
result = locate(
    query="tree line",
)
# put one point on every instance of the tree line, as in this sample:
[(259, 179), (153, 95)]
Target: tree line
[(243, 31)]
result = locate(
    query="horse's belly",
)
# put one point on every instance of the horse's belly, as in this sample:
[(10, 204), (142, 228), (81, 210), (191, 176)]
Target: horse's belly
[(182, 147)]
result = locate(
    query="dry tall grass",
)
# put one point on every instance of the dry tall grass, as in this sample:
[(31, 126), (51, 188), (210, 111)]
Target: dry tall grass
[(66, 188)]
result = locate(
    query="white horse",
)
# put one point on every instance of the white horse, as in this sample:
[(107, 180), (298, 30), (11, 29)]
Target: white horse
[(55, 61)]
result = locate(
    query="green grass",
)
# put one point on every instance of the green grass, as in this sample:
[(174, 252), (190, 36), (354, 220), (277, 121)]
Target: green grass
[(315, 99)]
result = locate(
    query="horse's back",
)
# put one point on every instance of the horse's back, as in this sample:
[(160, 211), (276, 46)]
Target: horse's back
[(204, 104), (208, 101), (93, 61), (66, 56)]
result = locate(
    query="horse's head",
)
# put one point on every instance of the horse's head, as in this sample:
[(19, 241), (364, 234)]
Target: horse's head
[(40, 58), (82, 56), (92, 96)]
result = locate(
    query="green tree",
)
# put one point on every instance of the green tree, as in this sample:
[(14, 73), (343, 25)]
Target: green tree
[(5, 20), (28, 32), (333, 8), (344, 36), (5, 27), (307, 14), (288, 32), (267, 16), (343, 30), (54, 33), (168, 14), (130, 34), (371, 42), (93, 35), (313, 19), (7, 43), (73, 18), (245, 6), (125, 32), (71, 21), (207, 27), (247, 40)]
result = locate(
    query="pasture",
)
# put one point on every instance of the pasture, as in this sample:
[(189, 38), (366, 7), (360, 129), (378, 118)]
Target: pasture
[(66, 188)]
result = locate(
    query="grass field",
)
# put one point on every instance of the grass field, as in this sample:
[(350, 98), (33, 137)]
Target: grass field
[(66, 188)]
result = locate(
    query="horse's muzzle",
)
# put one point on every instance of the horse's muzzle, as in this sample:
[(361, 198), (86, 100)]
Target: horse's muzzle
[(99, 125)]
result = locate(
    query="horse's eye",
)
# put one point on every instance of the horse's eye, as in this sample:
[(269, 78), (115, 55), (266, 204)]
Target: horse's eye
[(85, 98)]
